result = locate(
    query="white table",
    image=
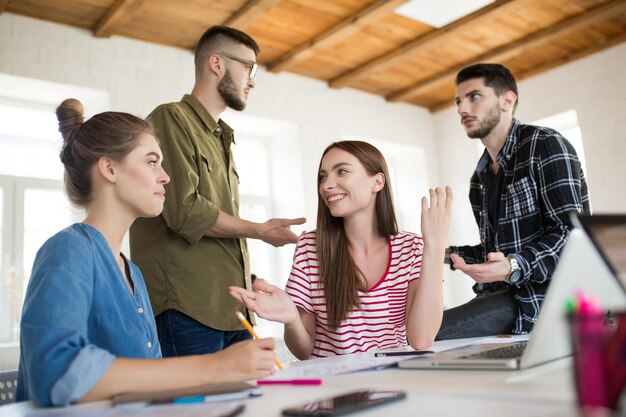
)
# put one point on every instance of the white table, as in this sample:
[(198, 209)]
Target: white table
[(542, 391), (545, 390)]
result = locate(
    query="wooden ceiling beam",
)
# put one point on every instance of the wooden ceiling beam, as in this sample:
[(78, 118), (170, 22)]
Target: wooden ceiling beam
[(548, 66), (3, 5), (342, 30), (510, 50), (117, 15), (252, 10), (416, 45)]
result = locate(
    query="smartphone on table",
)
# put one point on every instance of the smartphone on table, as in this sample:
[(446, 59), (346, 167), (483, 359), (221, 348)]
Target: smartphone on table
[(345, 403)]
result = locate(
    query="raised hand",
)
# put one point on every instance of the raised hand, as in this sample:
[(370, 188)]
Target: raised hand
[(267, 301), (277, 232), (497, 267), (250, 359), (436, 218)]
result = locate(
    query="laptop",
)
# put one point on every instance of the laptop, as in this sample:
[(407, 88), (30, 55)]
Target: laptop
[(581, 266), (608, 234)]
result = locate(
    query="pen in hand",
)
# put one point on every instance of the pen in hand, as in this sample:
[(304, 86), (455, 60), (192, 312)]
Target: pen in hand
[(248, 326)]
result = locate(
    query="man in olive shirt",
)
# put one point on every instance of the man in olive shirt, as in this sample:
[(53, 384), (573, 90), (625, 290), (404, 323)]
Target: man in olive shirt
[(196, 248)]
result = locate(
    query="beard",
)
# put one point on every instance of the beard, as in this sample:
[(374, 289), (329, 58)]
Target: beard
[(491, 120), (228, 91)]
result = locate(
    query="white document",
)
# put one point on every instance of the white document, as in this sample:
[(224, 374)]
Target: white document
[(335, 365)]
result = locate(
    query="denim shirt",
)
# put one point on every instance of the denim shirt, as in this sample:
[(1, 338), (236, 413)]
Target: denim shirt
[(79, 314)]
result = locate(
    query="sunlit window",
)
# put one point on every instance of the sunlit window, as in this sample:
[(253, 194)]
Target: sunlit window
[(46, 211), (30, 142), (567, 124), (33, 204), (252, 158)]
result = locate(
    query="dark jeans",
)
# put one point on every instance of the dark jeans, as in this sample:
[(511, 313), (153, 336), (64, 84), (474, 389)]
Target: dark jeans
[(487, 314), (180, 335)]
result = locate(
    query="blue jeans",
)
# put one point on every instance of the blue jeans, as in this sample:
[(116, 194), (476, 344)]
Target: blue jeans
[(487, 314), (180, 335)]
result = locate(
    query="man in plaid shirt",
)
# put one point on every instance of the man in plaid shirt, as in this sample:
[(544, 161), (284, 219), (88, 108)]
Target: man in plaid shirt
[(525, 186)]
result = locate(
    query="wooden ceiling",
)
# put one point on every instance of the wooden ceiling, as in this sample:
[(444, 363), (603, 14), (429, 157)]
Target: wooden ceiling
[(363, 44)]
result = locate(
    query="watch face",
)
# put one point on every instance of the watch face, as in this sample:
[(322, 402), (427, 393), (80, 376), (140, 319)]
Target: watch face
[(514, 277)]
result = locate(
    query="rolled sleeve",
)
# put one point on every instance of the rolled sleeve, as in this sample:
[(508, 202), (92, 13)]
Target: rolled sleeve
[(54, 321), (78, 316), (201, 216), (186, 211), (83, 374)]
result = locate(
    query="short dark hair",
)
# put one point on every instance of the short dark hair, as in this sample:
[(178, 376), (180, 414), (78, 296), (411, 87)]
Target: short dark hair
[(495, 76), (213, 40)]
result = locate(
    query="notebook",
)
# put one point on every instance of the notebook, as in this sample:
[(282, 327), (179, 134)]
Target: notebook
[(581, 266), (210, 392)]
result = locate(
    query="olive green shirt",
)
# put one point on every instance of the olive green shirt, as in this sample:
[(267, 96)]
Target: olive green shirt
[(183, 269)]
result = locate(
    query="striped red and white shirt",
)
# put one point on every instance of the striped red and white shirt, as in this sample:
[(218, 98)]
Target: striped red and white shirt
[(381, 321)]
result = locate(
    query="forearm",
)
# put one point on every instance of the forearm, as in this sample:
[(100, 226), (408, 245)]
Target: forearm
[(146, 375), (299, 339), (227, 226), (425, 311)]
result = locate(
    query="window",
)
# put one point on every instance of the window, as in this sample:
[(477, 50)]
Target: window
[(40, 209), (566, 123), (32, 210), (256, 205), (33, 205), (269, 164)]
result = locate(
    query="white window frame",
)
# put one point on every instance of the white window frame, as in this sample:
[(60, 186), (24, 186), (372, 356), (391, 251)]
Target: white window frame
[(13, 222)]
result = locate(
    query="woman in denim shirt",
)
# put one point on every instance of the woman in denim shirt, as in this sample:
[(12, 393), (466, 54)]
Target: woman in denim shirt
[(87, 330)]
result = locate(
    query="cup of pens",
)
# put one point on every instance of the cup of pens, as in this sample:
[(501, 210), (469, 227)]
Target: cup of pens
[(599, 345)]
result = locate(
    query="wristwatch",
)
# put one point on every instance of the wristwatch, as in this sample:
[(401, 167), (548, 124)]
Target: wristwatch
[(516, 272)]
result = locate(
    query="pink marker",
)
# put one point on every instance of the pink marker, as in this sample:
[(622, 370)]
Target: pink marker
[(289, 382)]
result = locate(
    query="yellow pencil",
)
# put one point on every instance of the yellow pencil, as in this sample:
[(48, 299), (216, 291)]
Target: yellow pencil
[(248, 326)]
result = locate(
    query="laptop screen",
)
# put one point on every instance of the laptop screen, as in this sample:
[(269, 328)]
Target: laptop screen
[(608, 233)]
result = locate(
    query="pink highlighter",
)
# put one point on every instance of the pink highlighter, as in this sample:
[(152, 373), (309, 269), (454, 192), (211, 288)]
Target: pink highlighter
[(289, 382)]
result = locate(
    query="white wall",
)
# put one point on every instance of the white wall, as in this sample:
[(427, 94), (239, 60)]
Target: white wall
[(138, 76), (596, 88)]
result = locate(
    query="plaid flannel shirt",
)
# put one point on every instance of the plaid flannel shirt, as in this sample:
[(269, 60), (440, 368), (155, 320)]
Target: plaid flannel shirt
[(543, 183)]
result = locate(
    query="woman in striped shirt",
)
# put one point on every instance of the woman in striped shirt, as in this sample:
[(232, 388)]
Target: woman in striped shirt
[(357, 283)]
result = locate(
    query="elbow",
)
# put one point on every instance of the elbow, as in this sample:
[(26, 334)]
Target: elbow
[(421, 343), (301, 355), (39, 393), (300, 352), (421, 340)]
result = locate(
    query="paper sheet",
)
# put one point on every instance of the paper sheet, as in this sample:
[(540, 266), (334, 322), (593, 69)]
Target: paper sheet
[(335, 365)]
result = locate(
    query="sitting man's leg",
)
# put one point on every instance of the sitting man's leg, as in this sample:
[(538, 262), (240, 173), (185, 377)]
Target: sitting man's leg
[(487, 314)]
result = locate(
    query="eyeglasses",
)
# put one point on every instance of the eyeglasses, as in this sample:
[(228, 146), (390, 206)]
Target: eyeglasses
[(249, 64)]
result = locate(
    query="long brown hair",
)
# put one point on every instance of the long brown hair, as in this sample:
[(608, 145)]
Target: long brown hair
[(339, 275)]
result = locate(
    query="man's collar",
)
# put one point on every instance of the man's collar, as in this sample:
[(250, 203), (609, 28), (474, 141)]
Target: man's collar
[(214, 127), (510, 143), (505, 154)]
